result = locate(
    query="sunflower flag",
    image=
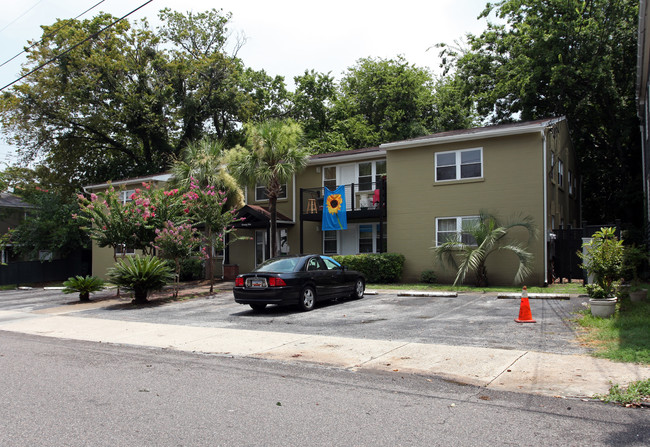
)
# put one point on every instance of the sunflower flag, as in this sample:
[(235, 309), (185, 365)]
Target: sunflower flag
[(334, 217)]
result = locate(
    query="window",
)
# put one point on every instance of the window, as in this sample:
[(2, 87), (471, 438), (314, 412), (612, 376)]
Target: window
[(381, 242), (455, 229), (570, 181), (126, 195), (330, 242), (365, 176), (365, 239), (458, 165), (123, 250), (329, 177), (552, 166), (560, 173), (260, 192)]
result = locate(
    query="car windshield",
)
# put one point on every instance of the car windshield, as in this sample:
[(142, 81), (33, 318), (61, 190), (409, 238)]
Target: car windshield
[(281, 265)]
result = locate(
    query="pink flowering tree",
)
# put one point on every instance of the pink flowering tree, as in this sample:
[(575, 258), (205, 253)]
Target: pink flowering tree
[(206, 208), (113, 222), (177, 242)]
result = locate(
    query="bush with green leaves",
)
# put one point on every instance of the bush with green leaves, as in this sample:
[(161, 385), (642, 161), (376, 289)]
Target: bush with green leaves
[(428, 277), (83, 285), (141, 275), (378, 267), (603, 258)]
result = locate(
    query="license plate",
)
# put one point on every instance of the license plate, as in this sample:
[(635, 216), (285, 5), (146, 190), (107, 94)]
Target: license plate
[(256, 282)]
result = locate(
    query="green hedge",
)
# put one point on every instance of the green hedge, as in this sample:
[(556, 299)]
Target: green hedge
[(378, 268)]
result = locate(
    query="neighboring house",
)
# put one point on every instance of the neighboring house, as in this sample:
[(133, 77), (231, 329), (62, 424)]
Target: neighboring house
[(404, 196), (12, 211), (643, 100)]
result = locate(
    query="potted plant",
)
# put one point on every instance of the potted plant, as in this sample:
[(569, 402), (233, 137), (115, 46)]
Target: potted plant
[(83, 285), (602, 257), (633, 258)]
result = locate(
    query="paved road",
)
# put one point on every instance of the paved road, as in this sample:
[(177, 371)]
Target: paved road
[(467, 320), (76, 393)]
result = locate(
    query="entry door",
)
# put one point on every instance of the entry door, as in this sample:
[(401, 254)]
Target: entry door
[(260, 246)]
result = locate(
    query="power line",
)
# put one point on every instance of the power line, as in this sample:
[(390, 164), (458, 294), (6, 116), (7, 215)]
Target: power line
[(75, 46), (20, 16), (48, 35)]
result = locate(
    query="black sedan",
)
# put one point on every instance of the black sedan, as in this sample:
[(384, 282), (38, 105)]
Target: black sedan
[(301, 280)]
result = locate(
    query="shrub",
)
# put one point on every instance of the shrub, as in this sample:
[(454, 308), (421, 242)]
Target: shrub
[(142, 275), (83, 285), (428, 276), (378, 267)]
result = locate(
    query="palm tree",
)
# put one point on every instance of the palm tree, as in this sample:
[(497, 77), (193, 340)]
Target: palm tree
[(204, 163), (488, 236), (273, 154)]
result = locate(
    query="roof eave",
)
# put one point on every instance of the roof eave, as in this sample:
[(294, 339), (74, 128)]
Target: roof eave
[(487, 133), (346, 158)]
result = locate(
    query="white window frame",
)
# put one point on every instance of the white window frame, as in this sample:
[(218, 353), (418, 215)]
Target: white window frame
[(126, 195), (259, 186), (459, 226), (335, 238), (458, 164), (570, 181), (560, 173)]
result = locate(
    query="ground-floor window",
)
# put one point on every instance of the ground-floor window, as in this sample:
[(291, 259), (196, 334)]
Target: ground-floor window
[(358, 238), (454, 229), (330, 242)]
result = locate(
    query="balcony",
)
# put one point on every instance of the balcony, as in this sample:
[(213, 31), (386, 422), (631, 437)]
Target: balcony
[(362, 201)]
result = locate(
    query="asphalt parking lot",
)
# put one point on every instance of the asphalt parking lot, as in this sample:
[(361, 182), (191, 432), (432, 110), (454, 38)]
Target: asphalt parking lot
[(480, 320)]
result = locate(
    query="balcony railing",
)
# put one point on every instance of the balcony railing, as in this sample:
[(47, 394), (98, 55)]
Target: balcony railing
[(361, 200)]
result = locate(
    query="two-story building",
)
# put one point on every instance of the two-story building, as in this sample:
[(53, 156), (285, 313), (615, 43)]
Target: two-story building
[(407, 196)]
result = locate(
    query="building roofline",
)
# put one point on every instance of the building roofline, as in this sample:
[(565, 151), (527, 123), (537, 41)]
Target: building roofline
[(162, 177), (476, 133)]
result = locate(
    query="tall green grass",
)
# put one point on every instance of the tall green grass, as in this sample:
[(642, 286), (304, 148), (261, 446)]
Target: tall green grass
[(625, 337)]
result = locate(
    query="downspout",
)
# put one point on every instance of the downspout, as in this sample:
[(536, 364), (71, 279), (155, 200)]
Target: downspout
[(544, 226)]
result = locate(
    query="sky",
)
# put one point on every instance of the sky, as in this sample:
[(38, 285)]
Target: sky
[(283, 37)]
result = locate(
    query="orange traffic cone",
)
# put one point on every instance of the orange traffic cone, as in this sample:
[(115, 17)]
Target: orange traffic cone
[(524, 309)]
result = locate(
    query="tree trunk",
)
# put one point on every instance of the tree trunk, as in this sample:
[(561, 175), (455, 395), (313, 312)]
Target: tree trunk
[(274, 224), (84, 296), (481, 276)]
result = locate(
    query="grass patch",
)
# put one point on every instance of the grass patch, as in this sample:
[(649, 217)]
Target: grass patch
[(636, 394), (571, 288), (625, 337)]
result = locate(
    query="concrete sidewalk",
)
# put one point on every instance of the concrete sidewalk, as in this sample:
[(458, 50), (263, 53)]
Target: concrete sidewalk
[(502, 369)]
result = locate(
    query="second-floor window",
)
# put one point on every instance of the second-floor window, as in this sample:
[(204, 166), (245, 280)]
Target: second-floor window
[(459, 165), (260, 192), (560, 173)]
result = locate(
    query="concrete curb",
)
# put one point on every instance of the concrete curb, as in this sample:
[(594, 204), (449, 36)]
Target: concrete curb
[(428, 294), (538, 296)]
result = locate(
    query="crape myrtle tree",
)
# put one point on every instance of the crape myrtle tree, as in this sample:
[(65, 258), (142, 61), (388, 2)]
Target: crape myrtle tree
[(156, 218), (576, 58)]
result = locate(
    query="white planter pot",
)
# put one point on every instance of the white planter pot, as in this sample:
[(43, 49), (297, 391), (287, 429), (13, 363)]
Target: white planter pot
[(638, 295), (602, 307)]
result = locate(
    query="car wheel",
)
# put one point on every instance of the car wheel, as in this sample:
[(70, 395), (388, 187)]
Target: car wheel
[(307, 298), (359, 288), (258, 306)]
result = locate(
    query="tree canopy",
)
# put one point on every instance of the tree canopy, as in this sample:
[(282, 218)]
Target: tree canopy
[(575, 58)]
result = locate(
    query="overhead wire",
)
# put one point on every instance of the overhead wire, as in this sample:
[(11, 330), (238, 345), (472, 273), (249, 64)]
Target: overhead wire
[(75, 46), (50, 34), (20, 16)]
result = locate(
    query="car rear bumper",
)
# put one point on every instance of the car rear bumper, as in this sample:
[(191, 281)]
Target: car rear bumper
[(269, 295)]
